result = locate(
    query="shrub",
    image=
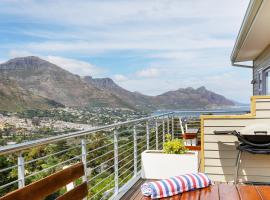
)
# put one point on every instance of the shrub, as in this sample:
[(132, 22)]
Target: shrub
[(174, 146)]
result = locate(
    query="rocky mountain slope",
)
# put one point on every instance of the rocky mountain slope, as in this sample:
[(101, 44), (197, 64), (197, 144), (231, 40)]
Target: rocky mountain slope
[(134, 99), (33, 81), (15, 98)]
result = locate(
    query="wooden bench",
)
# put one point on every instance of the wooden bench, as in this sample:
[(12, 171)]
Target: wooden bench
[(39, 190)]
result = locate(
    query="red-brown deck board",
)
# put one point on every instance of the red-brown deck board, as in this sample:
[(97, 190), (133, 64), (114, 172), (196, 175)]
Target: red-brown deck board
[(215, 192)]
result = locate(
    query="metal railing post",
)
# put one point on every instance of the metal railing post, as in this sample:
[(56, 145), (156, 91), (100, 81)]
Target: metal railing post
[(168, 125), (163, 132), (116, 181), (172, 127), (156, 134), (181, 126), (147, 135), (84, 161), (21, 171), (135, 150)]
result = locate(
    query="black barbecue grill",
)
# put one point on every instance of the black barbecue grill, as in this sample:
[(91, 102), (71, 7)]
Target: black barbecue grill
[(258, 143)]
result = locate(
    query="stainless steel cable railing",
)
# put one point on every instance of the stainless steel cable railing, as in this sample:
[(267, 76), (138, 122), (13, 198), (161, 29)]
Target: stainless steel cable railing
[(111, 155)]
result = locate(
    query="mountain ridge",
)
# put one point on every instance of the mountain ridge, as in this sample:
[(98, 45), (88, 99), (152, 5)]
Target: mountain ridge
[(164, 100), (49, 81)]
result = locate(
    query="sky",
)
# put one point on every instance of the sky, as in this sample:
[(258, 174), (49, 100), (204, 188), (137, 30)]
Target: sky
[(149, 46)]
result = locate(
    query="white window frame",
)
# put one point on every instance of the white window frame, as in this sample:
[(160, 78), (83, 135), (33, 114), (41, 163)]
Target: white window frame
[(264, 76), (260, 81)]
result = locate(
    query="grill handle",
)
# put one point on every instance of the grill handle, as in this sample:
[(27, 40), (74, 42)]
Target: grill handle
[(224, 132), (260, 132), (231, 131)]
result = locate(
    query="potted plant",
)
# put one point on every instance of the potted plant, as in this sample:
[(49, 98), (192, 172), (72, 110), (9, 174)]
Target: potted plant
[(173, 160)]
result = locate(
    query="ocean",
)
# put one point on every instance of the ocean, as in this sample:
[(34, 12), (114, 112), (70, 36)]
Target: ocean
[(196, 113)]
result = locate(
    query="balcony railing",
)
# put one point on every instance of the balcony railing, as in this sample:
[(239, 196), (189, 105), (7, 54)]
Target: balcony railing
[(111, 155)]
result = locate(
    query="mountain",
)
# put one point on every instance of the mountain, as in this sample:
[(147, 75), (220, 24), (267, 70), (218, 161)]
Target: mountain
[(45, 79), (135, 99), (31, 81), (190, 98), (187, 98)]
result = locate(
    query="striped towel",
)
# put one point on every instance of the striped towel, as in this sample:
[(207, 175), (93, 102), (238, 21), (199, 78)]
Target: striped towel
[(175, 185)]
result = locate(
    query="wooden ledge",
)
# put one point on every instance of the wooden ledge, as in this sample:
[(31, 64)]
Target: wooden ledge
[(194, 148)]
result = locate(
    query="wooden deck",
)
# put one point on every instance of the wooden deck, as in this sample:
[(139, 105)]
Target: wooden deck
[(215, 192)]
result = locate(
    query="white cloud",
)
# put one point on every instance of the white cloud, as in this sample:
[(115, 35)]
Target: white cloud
[(75, 66), (149, 73), (168, 44), (96, 12), (128, 25), (187, 42), (175, 55), (19, 53), (120, 78)]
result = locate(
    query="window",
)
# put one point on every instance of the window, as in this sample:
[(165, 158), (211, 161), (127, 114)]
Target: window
[(260, 81), (267, 82), (264, 84)]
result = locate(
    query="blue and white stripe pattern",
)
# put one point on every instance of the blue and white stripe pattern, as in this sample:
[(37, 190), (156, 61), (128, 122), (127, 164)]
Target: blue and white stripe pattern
[(175, 185)]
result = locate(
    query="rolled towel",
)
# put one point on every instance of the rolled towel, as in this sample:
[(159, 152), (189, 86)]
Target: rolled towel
[(175, 185)]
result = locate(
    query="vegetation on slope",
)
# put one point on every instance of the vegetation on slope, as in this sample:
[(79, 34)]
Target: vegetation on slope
[(14, 98)]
